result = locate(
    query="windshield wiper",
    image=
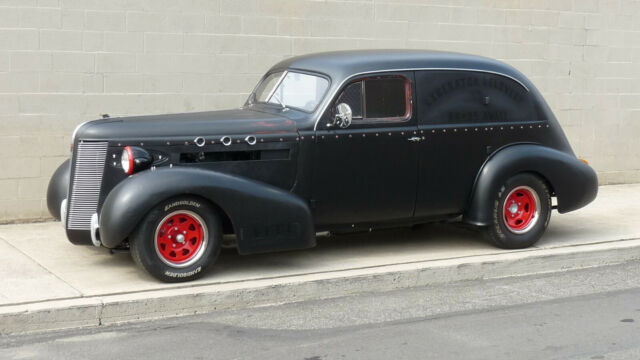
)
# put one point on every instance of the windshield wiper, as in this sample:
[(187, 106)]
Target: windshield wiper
[(284, 107)]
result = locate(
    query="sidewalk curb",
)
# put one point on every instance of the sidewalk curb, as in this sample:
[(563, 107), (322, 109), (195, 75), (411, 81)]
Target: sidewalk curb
[(148, 305)]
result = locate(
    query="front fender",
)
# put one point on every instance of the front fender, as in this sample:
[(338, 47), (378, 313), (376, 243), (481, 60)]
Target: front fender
[(574, 183), (58, 188), (265, 218)]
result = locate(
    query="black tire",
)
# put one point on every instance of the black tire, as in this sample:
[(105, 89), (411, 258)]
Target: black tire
[(520, 231), (150, 241)]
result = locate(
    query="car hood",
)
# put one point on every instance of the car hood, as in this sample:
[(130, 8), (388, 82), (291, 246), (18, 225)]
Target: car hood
[(210, 123)]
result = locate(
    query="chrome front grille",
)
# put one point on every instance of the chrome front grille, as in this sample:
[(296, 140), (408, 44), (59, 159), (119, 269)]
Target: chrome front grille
[(87, 180)]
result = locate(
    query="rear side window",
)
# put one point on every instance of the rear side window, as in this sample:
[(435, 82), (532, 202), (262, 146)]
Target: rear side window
[(471, 97), (385, 98)]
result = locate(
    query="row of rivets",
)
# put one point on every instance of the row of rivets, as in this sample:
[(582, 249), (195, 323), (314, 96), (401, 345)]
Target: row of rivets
[(433, 131)]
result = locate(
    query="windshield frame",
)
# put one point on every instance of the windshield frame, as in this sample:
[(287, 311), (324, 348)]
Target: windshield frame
[(251, 100)]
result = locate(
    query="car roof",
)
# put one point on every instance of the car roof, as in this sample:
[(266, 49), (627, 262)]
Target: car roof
[(340, 65)]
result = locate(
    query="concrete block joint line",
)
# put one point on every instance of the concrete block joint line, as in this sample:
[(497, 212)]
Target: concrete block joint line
[(60, 285), (65, 62)]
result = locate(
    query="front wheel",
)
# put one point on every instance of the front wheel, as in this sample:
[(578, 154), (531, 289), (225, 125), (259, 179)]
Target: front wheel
[(521, 212), (178, 239)]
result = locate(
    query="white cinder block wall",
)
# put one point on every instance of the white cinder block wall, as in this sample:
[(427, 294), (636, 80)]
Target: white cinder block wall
[(66, 61)]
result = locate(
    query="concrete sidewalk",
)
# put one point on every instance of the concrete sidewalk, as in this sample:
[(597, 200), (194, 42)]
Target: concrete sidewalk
[(48, 283)]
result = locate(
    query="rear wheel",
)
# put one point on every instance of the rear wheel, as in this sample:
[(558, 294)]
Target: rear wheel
[(178, 239), (521, 212)]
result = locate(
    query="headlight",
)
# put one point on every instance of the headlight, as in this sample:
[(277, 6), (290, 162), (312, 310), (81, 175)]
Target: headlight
[(135, 159), (126, 160)]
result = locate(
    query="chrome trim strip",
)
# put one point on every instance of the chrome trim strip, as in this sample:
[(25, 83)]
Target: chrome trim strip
[(75, 131), (328, 98)]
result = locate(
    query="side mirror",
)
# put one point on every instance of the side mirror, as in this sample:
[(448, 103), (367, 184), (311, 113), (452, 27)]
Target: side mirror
[(343, 116)]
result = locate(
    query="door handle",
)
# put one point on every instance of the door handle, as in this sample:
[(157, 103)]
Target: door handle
[(415, 139)]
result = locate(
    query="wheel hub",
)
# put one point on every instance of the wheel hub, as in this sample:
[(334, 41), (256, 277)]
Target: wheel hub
[(521, 209), (180, 238)]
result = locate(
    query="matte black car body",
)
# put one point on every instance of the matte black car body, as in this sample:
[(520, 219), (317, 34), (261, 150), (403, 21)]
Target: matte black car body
[(302, 177)]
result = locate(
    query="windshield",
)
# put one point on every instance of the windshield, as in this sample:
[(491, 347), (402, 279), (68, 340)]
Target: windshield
[(291, 89)]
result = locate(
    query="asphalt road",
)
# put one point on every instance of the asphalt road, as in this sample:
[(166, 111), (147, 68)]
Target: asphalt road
[(585, 314)]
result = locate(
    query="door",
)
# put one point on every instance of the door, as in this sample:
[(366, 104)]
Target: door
[(464, 116), (367, 172)]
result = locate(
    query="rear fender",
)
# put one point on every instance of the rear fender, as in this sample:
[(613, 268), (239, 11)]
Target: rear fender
[(265, 218), (574, 183)]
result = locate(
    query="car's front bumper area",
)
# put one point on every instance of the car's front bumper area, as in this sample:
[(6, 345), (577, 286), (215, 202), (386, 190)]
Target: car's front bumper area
[(57, 203)]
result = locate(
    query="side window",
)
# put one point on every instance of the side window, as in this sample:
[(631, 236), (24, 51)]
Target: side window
[(384, 98), (471, 97)]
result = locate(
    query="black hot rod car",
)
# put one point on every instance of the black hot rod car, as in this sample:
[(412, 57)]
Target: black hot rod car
[(338, 141)]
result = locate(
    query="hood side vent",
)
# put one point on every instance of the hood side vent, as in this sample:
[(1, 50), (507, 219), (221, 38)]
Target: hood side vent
[(248, 155)]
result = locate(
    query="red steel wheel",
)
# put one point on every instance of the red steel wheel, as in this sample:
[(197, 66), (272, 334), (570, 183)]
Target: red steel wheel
[(521, 209), (180, 238)]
